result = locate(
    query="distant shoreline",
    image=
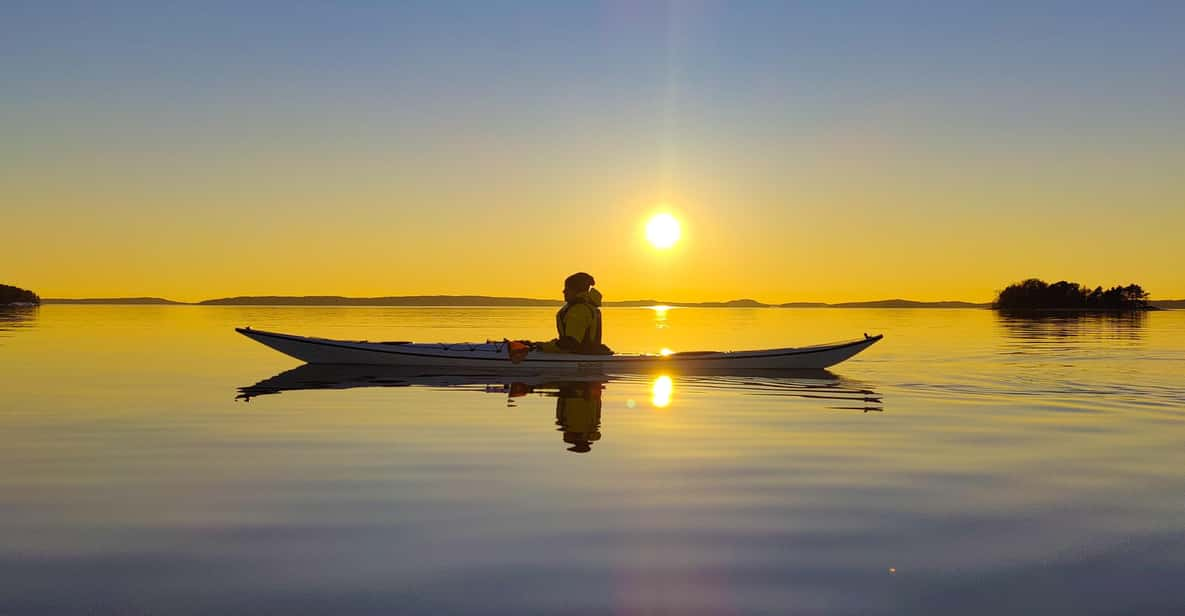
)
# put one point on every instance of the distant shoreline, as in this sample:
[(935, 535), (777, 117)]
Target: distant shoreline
[(1029, 311), (444, 301), (113, 301)]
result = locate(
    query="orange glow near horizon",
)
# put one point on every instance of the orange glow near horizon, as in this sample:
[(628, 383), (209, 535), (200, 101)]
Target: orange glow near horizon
[(193, 249)]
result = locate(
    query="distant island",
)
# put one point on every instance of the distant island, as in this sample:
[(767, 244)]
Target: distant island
[(486, 300), (112, 300), (1036, 294), (410, 300), (905, 303), (450, 300), (16, 296), (639, 303)]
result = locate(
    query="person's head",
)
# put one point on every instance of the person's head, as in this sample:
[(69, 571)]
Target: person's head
[(577, 283), (579, 442)]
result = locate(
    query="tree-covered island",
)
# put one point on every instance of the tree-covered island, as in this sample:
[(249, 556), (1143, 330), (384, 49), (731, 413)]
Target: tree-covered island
[(1036, 294), (17, 295)]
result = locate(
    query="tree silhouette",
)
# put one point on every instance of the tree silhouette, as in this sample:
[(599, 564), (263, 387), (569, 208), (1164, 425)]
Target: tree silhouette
[(1035, 293), (12, 295)]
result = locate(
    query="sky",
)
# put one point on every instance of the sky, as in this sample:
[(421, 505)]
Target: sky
[(813, 151)]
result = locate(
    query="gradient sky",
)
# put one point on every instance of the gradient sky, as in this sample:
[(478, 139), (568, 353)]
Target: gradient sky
[(813, 151)]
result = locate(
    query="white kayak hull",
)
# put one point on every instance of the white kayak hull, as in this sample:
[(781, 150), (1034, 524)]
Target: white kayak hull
[(494, 356)]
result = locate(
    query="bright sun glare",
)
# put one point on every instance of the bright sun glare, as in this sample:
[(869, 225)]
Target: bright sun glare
[(661, 390), (662, 230)]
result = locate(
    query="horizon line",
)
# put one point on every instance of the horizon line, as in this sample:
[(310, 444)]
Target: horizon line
[(507, 301), (471, 296)]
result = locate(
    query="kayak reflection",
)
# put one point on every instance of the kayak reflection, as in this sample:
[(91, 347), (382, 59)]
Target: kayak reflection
[(818, 384), (578, 399), (346, 376)]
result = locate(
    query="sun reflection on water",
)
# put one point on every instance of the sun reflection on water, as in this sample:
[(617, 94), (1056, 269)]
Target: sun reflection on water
[(660, 316), (661, 390)]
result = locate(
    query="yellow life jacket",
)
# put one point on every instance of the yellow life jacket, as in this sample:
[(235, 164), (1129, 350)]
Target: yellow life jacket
[(578, 324)]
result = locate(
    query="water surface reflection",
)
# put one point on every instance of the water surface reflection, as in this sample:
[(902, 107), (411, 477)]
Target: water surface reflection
[(818, 384), (1054, 326), (14, 318), (578, 398)]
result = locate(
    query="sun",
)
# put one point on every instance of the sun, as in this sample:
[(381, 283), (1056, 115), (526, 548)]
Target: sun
[(662, 230)]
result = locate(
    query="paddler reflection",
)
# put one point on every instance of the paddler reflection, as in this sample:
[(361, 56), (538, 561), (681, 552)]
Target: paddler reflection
[(577, 410), (578, 414)]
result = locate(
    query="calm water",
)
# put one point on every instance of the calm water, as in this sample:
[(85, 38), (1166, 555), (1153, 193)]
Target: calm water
[(969, 463)]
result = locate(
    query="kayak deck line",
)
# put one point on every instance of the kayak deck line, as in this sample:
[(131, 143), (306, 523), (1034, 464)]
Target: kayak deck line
[(327, 351)]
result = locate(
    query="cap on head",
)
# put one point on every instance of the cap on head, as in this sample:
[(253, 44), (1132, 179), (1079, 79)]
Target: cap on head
[(579, 282)]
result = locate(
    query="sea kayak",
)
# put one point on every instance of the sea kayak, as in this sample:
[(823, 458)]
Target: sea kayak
[(496, 356)]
